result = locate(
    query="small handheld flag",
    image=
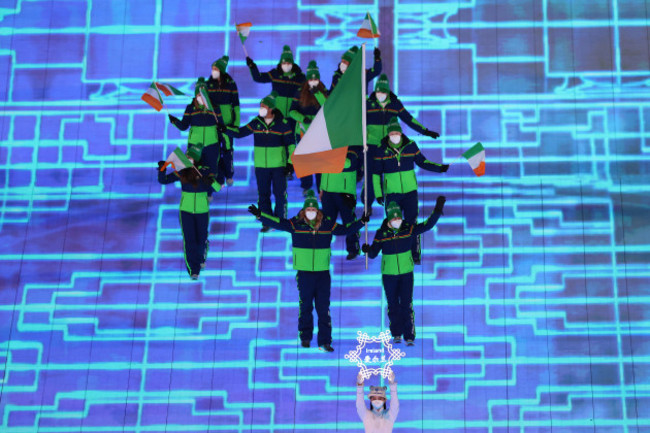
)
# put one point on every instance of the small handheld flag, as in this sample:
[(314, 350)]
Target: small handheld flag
[(368, 29), (177, 160), (475, 156), (243, 30), (153, 95)]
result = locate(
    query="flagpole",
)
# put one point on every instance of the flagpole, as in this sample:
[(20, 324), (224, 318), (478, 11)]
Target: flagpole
[(365, 138)]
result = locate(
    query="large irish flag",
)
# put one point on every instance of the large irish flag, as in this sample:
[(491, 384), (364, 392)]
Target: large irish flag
[(337, 125)]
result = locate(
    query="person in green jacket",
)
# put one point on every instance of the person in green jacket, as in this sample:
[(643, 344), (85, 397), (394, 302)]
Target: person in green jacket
[(395, 160), (273, 140), (311, 234), (306, 103), (393, 240), (224, 96)]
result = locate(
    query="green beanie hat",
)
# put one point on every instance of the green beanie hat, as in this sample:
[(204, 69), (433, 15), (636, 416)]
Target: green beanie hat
[(312, 71), (194, 152), (310, 200), (221, 63), (393, 125), (269, 100), (393, 211), (349, 54), (287, 55), (382, 84), (199, 83)]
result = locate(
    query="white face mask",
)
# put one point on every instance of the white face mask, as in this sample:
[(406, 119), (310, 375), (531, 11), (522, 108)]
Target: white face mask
[(313, 83), (199, 100), (343, 66), (377, 404), (396, 224), (395, 138), (381, 97), (311, 214), (263, 111), (286, 67), (216, 74)]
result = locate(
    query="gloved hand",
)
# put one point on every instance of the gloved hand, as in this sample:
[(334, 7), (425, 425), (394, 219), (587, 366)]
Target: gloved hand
[(360, 379), (306, 120), (444, 168), (349, 200), (288, 169), (365, 248), (249, 62), (432, 134), (160, 164), (207, 180), (254, 210), (440, 203), (172, 119), (380, 200), (377, 54), (222, 128), (365, 218)]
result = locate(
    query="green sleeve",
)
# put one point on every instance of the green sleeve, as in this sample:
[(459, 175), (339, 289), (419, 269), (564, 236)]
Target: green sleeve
[(237, 121), (376, 182)]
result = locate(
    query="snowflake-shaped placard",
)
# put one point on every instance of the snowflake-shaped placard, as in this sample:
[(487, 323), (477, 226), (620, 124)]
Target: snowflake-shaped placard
[(358, 357)]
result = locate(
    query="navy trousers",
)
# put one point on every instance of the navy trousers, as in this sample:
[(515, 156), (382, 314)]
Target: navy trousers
[(226, 167), (272, 179), (314, 290), (333, 204), (399, 296), (409, 204), (195, 228)]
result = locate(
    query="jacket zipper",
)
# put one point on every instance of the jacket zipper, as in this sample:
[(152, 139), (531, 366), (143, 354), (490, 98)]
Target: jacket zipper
[(397, 255)]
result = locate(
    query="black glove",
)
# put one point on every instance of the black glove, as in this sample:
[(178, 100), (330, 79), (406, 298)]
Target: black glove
[(440, 203), (172, 119), (306, 121), (288, 169), (207, 180), (444, 168), (377, 54), (349, 200), (254, 210), (380, 200), (249, 62), (160, 164), (432, 134), (365, 218), (365, 248), (222, 128)]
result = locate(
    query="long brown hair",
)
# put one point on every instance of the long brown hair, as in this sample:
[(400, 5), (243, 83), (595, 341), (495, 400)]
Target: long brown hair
[(317, 221), (189, 175), (307, 99)]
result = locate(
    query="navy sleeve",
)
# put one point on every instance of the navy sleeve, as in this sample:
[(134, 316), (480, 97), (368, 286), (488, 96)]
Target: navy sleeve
[(427, 225), (342, 230), (277, 223), (242, 132), (186, 121), (165, 178), (260, 78), (375, 247), (409, 119), (424, 163), (373, 72)]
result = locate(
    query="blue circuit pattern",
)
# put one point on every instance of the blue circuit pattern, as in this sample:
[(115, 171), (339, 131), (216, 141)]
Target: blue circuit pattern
[(532, 301)]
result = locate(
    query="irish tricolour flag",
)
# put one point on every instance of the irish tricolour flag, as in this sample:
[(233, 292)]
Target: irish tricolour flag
[(337, 125), (475, 155), (368, 29), (243, 30), (153, 95), (177, 160)]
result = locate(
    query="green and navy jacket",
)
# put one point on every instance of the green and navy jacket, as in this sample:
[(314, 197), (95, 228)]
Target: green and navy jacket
[(193, 199), (378, 117), (298, 113), (273, 143), (225, 100), (311, 248), (285, 85), (202, 124), (346, 181), (371, 74), (397, 165), (395, 245)]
